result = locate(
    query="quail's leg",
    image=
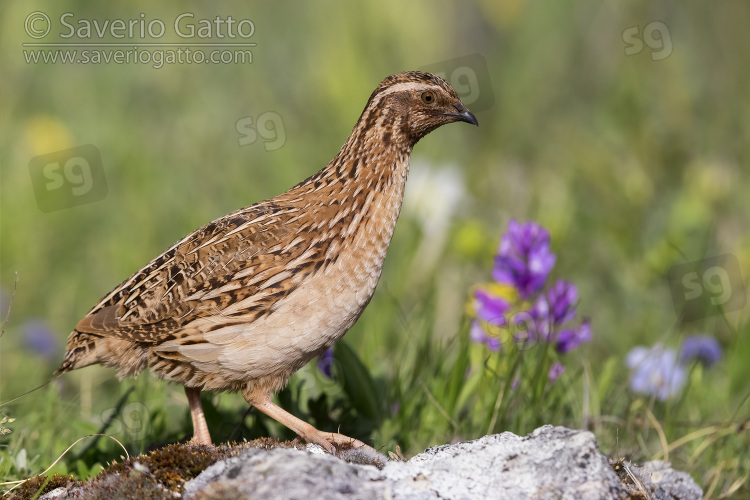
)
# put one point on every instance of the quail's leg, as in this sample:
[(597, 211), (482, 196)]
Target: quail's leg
[(200, 428), (328, 440)]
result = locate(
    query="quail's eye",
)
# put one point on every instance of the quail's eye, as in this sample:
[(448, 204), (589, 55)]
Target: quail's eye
[(428, 97)]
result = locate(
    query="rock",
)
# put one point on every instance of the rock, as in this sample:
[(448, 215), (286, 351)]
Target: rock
[(284, 473), (551, 462), (657, 480), (56, 493)]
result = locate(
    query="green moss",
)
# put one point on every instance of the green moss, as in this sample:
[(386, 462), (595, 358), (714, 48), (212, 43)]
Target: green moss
[(39, 485), (156, 474)]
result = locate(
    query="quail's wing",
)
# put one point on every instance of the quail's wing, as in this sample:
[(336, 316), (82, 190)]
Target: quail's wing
[(244, 253)]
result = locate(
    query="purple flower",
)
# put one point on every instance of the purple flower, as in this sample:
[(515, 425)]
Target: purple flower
[(562, 301), (655, 371), (532, 312), (569, 339), (39, 338), (493, 343), (555, 371), (478, 335), (702, 348), (490, 308), (524, 258), (325, 362), (536, 320)]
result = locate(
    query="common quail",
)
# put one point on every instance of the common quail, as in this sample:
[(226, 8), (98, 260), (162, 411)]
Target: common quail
[(245, 301)]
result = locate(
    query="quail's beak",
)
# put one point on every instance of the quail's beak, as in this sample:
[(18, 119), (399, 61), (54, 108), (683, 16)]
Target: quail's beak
[(463, 114)]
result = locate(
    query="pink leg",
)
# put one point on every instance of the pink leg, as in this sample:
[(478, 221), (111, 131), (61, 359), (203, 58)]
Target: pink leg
[(200, 428), (328, 440)]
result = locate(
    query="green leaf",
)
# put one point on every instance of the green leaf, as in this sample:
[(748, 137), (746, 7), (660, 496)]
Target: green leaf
[(457, 377), (468, 391), (606, 376), (358, 384)]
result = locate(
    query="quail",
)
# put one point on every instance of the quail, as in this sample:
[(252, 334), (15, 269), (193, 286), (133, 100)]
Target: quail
[(245, 301)]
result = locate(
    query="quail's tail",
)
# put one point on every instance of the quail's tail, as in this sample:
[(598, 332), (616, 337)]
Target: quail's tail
[(80, 352)]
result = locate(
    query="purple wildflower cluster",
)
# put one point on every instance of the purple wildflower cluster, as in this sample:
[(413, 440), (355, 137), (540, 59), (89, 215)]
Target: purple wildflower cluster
[(518, 300), (659, 371), (524, 258)]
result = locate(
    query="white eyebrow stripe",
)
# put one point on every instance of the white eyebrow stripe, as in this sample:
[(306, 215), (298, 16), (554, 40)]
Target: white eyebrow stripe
[(399, 87)]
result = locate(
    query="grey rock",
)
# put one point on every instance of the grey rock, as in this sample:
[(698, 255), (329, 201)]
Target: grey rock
[(284, 474), (549, 463), (658, 480), (56, 493)]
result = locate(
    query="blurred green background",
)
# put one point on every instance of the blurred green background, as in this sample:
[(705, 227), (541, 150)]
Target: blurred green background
[(622, 127)]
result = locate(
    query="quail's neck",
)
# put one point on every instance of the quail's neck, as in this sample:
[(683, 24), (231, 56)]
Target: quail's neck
[(375, 155)]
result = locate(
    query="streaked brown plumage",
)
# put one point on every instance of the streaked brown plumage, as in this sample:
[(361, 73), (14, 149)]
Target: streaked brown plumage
[(245, 301)]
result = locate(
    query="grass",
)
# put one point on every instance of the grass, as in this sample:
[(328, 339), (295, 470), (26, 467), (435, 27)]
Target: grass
[(635, 165)]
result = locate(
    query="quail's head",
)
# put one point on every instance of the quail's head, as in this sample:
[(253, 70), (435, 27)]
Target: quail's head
[(417, 103)]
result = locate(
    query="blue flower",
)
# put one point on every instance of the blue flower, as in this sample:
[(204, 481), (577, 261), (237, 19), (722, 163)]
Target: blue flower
[(524, 258), (702, 348), (655, 371), (39, 338), (325, 363)]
